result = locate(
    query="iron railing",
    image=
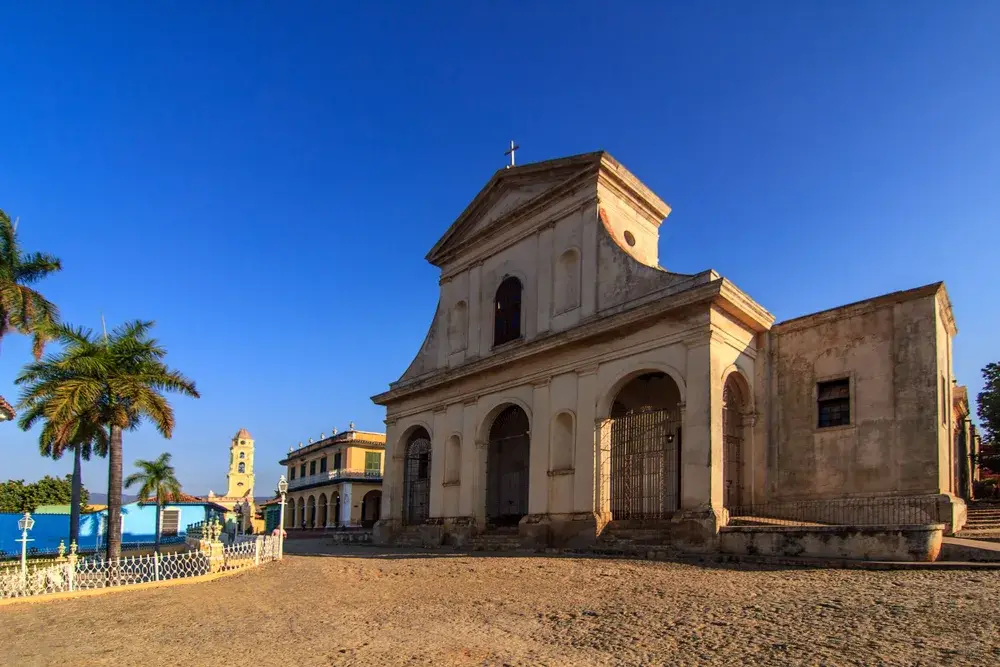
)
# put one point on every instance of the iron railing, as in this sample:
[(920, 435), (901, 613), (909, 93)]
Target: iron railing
[(337, 475), (89, 572), (870, 511)]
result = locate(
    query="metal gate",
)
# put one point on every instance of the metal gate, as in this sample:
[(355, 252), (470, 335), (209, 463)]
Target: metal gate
[(507, 468), (645, 465), (732, 452), (417, 479)]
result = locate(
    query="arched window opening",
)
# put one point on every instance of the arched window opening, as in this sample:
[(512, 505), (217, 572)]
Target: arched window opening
[(417, 477), (507, 311), (458, 327), (644, 464), (453, 460), (561, 451), (243, 455), (732, 452), (242, 467), (567, 281)]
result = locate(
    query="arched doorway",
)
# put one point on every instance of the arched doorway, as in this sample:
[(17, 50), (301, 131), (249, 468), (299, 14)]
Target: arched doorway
[(644, 464), (311, 512), (335, 508), (507, 467), (371, 508), (417, 478), (733, 403), (302, 513), (323, 509)]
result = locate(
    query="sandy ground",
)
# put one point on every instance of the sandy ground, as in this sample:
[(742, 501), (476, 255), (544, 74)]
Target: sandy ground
[(372, 607)]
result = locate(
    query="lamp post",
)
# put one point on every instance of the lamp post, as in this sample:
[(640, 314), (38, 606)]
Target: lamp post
[(282, 489), (239, 520), (26, 523)]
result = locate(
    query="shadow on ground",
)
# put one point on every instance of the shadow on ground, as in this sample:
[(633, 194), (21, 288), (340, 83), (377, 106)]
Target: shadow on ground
[(324, 548)]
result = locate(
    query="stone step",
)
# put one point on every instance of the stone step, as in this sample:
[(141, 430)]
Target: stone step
[(969, 550)]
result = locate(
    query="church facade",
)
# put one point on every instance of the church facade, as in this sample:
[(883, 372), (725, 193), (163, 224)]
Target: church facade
[(569, 383)]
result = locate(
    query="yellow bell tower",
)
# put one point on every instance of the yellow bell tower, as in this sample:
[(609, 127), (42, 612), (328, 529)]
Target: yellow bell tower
[(240, 475)]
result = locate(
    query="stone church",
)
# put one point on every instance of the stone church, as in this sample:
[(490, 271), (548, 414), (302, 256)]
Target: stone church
[(569, 383)]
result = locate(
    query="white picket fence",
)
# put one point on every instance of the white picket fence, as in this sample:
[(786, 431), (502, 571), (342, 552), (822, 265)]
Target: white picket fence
[(96, 572)]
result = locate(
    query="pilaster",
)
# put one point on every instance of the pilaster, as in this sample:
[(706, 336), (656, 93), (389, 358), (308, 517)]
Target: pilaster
[(586, 459), (538, 480)]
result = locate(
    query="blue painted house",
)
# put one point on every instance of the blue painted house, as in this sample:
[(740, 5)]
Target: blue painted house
[(138, 525)]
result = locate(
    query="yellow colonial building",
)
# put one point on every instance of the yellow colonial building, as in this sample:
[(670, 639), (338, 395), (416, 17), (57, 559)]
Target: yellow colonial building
[(336, 482)]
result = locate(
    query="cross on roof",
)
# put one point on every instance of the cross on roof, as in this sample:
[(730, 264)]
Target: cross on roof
[(510, 152)]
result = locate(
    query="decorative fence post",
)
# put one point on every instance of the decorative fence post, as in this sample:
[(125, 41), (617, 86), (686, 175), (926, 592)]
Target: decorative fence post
[(72, 564)]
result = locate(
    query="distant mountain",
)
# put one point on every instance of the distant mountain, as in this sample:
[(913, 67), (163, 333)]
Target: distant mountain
[(102, 498)]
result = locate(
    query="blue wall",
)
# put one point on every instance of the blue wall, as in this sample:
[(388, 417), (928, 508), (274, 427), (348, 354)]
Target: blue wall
[(139, 526)]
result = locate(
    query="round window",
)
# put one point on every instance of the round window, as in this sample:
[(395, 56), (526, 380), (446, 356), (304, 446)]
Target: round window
[(629, 239), (243, 442)]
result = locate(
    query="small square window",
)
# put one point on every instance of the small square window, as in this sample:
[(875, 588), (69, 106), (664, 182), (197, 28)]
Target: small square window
[(833, 399)]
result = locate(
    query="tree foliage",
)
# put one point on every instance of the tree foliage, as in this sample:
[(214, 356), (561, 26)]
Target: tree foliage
[(16, 496), (989, 403), (22, 308), (115, 382)]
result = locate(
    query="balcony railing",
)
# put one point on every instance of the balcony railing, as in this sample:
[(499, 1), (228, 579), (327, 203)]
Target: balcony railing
[(338, 475)]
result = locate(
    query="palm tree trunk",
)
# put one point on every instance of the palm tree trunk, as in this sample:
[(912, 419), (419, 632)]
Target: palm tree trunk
[(114, 550), (74, 510)]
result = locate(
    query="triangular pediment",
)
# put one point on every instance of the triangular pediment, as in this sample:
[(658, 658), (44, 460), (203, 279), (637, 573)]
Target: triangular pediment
[(510, 194)]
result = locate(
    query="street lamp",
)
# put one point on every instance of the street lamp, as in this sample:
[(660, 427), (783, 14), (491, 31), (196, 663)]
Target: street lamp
[(238, 508), (282, 490), (25, 524)]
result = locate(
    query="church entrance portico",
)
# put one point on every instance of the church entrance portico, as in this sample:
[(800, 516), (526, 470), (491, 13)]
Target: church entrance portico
[(507, 467), (642, 450)]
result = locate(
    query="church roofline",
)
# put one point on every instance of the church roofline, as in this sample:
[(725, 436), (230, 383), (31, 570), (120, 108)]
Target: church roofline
[(578, 168), (705, 287), (866, 305), (366, 439)]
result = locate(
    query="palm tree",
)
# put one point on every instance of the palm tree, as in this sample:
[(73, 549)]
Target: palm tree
[(23, 309), (84, 436), (156, 478), (113, 382)]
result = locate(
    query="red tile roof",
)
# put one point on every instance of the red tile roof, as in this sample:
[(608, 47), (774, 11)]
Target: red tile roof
[(6, 409)]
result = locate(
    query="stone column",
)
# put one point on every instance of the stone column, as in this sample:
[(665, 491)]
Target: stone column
[(479, 490), (469, 474), (538, 478), (701, 448), (439, 443), (586, 456)]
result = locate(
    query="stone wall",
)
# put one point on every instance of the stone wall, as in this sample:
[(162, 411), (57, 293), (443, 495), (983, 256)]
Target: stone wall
[(878, 543), (890, 348)]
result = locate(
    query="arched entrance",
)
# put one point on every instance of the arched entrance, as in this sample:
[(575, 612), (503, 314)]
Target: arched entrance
[(371, 508), (507, 467), (311, 512), (417, 478), (645, 449), (302, 513), (733, 403), (322, 510), (335, 508)]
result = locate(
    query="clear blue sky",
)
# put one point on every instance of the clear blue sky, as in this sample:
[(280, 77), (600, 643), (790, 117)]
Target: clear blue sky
[(264, 179)]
